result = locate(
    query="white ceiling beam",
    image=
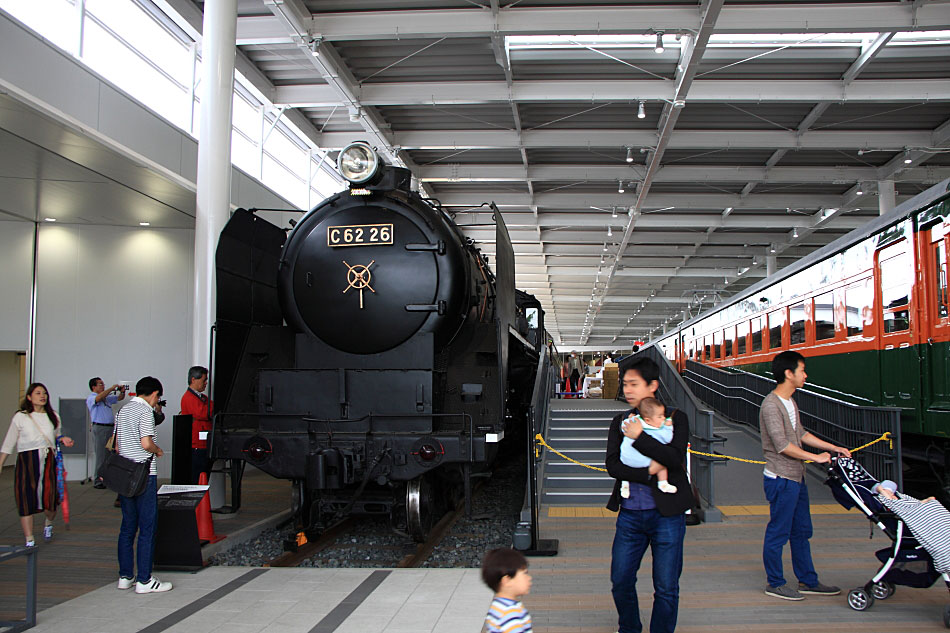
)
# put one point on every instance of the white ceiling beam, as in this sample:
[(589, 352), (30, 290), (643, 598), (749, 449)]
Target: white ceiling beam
[(668, 173), (708, 201), (702, 90), (746, 239), (681, 139), (763, 18), (667, 220)]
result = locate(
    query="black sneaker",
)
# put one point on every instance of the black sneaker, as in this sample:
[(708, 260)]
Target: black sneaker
[(785, 592), (819, 589), (99, 485)]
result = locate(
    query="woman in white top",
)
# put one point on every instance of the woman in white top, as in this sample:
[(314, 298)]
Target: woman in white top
[(33, 433)]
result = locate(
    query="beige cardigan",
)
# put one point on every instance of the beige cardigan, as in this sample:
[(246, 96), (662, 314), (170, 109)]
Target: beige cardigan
[(777, 433)]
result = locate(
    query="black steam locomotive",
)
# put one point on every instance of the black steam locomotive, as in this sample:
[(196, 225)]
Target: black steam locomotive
[(371, 355)]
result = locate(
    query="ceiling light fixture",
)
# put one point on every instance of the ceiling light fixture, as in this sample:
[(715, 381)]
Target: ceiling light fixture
[(659, 42), (315, 46), (610, 232), (145, 224), (50, 219), (620, 188), (629, 155), (795, 233), (641, 114), (859, 191), (907, 159), (605, 246), (614, 213)]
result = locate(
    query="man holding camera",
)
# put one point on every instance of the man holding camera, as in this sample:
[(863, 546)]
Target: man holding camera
[(99, 403), (196, 403)]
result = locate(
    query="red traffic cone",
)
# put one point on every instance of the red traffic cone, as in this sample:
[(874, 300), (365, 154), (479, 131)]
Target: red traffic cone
[(203, 514)]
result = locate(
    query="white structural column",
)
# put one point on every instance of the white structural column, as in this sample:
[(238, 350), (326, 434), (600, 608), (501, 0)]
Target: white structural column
[(771, 265), (214, 162), (887, 197)]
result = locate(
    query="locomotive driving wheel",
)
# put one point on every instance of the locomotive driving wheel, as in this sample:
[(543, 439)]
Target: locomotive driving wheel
[(420, 508)]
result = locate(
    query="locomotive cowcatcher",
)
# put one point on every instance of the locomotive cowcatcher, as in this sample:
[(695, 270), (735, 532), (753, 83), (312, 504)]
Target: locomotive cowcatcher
[(371, 356)]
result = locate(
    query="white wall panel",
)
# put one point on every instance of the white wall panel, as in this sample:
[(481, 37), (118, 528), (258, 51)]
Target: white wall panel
[(114, 302), (16, 262)]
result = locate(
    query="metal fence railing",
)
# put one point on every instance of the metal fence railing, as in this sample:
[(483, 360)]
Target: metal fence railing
[(526, 536), (737, 395), (675, 391)]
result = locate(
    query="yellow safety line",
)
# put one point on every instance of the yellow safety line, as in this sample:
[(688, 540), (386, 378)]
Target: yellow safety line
[(886, 436)]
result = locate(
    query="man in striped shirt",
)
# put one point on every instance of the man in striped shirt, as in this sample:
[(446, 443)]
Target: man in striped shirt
[(506, 572), (135, 440)]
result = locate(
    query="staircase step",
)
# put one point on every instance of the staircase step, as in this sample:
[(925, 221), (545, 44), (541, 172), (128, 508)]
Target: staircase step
[(574, 431), (586, 455), (569, 468), (576, 497), (577, 481)]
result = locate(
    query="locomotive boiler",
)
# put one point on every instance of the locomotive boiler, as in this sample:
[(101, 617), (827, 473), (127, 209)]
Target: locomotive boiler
[(371, 355)]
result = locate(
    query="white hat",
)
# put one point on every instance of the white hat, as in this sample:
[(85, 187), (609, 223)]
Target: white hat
[(886, 484)]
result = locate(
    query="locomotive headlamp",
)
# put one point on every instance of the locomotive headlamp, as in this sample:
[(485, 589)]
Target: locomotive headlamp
[(358, 163)]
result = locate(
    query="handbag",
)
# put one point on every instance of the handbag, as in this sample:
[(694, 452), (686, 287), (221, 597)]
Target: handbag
[(122, 475)]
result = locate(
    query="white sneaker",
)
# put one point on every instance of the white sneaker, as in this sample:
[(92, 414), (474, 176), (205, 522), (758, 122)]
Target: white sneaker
[(154, 585), (125, 583)]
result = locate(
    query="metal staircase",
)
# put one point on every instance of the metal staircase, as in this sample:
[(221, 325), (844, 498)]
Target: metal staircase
[(578, 428)]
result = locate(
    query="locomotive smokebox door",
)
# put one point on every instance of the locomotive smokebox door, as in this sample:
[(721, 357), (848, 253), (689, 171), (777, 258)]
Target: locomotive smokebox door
[(353, 277)]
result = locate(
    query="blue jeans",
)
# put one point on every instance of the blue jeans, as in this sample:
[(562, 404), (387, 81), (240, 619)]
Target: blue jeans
[(636, 529), (139, 514), (789, 522)]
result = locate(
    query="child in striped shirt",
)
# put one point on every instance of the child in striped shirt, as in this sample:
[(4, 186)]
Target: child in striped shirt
[(506, 572)]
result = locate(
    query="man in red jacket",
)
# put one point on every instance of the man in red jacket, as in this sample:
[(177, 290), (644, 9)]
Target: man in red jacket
[(195, 403)]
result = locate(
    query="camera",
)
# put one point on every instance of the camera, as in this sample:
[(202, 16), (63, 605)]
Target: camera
[(162, 403)]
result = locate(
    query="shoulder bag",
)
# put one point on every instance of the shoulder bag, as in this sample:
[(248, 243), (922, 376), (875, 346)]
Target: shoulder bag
[(123, 475)]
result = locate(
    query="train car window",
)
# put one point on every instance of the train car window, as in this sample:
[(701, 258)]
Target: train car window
[(756, 334), (940, 260), (728, 335), (825, 316), (707, 348), (859, 306), (897, 277), (742, 333), (776, 321), (796, 316), (717, 344)]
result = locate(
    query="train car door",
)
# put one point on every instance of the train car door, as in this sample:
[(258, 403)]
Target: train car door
[(900, 363), (935, 339)]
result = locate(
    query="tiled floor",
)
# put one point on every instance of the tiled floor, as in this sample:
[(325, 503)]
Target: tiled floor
[(284, 601)]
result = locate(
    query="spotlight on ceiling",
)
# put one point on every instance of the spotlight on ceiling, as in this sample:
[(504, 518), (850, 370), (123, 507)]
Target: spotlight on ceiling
[(659, 42), (795, 233), (907, 159), (629, 155), (614, 212), (620, 188), (859, 191), (315, 46), (641, 112), (610, 231)]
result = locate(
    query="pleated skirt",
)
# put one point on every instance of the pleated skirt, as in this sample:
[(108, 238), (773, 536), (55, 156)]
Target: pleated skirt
[(35, 485)]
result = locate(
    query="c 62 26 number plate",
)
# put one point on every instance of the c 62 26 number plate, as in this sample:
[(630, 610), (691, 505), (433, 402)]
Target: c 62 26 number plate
[(360, 235)]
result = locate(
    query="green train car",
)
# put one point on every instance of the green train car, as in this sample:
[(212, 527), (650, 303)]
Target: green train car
[(871, 313)]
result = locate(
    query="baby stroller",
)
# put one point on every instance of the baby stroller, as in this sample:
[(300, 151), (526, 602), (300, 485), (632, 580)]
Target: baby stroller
[(905, 562)]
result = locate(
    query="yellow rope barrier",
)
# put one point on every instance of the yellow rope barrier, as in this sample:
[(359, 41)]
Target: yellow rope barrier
[(885, 437)]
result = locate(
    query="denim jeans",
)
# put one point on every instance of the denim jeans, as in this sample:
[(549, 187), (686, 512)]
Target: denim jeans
[(789, 521), (139, 514), (636, 529)]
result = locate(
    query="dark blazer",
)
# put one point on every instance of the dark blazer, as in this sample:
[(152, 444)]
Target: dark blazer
[(672, 455)]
